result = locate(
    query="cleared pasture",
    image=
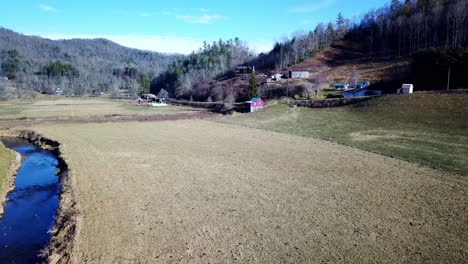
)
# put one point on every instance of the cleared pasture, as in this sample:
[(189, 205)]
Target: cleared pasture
[(62, 107), (204, 192), (429, 129)]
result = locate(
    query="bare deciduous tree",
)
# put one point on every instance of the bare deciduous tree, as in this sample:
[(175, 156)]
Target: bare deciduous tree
[(355, 77)]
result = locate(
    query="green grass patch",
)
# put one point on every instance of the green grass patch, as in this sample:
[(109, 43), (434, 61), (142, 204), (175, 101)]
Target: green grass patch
[(6, 157), (330, 94), (148, 109), (429, 129)]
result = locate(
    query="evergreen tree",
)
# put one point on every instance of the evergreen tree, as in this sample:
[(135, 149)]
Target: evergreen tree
[(253, 86), (10, 64), (330, 33), (340, 26), (395, 6)]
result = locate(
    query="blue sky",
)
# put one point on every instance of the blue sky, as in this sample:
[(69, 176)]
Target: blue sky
[(175, 26)]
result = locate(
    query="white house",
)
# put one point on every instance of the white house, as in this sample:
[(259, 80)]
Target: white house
[(299, 74), (406, 89), (276, 77)]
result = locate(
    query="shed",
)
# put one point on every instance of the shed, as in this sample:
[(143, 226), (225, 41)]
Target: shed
[(364, 84), (256, 104), (299, 74), (240, 70), (406, 89)]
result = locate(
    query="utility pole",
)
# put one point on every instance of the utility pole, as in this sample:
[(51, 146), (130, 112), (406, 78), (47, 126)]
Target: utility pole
[(448, 79)]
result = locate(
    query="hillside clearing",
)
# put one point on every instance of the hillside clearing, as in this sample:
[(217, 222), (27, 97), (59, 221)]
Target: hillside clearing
[(430, 129), (199, 191)]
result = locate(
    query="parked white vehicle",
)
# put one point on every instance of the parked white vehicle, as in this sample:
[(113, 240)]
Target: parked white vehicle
[(157, 103)]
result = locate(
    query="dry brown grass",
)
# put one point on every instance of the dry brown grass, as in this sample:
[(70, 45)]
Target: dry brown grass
[(202, 192), (60, 107), (9, 164), (338, 62)]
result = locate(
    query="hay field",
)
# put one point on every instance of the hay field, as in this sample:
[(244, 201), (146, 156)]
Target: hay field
[(62, 107), (203, 192)]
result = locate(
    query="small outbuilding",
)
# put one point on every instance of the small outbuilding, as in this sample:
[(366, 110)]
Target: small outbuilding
[(364, 84), (406, 89), (244, 69), (256, 104), (299, 74)]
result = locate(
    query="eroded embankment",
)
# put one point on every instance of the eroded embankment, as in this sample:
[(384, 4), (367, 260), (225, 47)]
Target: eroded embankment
[(10, 180), (65, 229)]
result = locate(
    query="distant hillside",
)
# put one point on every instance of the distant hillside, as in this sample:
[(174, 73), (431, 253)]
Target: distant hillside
[(101, 64)]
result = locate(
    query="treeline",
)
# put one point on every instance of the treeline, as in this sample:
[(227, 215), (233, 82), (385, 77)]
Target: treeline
[(189, 77), (440, 68), (210, 62), (403, 28), (10, 63), (303, 46), (398, 29), (34, 63)]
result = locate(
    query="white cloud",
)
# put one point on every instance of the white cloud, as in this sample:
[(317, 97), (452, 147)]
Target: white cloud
[(306, 22), (48, 8), (200, 15), (259, 46), (312, 7), (199, 19), (143, 14)]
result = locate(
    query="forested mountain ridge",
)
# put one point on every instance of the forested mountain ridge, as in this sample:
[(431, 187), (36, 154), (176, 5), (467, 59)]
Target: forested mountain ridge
[(400, 41), (98, 64)]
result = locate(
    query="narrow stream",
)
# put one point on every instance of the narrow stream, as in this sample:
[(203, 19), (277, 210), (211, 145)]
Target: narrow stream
[(30, 210)]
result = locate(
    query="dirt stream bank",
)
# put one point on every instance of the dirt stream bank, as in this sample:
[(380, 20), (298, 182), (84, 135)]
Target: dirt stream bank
[(11, 176), (67, 217)]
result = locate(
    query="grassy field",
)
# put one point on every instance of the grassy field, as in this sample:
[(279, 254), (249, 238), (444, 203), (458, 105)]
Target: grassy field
[(56, 107), (6, 158), (430, 129), (204, 192)]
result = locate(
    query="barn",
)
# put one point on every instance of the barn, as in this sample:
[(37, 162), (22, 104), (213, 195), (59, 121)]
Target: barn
[(256, 104)]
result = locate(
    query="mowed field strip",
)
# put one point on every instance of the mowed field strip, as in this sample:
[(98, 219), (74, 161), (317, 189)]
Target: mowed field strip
[(197, 191), (52, 110), (62, 107)]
